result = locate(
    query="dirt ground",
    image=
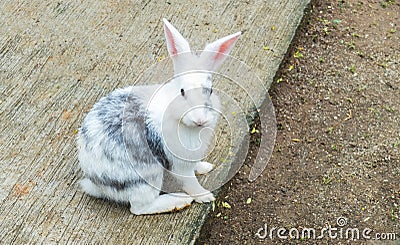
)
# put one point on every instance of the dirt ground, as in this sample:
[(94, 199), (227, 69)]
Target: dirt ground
[(336, 161)]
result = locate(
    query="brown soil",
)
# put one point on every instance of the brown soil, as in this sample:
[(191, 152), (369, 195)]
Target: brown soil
[(337, 152)]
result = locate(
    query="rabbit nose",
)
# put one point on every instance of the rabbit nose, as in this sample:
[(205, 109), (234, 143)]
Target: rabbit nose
[(200, 122)]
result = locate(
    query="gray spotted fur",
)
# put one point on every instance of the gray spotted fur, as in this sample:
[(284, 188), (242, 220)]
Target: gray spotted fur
[(122, 125), (130, 137)]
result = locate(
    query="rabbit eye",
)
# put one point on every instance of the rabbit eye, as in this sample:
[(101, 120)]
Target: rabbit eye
[(182, 92), (207, 91)]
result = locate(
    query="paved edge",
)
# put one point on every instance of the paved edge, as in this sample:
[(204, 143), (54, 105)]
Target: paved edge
[(57, 59)]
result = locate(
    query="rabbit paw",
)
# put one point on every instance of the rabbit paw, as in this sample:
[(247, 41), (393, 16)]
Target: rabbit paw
[(204, 167), (163, 204), (203, 198)]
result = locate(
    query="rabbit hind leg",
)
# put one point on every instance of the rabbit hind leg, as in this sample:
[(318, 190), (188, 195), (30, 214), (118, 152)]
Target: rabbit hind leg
[(163, 204), (90, 188)]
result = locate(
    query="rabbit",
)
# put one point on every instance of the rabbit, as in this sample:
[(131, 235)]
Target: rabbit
[(130, 137)]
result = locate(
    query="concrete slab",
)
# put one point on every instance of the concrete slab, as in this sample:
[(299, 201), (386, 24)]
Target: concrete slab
[(57, 58)]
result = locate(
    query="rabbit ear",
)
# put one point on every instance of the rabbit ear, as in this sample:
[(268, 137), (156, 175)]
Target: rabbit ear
[(175, 42), (215, 53)]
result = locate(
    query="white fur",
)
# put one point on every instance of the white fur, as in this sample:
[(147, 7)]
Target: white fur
[(184, 120), (204, 167)]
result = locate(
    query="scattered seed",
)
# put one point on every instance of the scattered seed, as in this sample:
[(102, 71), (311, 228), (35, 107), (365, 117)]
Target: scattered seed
[(349, 116), (326, 180), (225, 205), (298, 55), (361, 54), (352, 69), (248, 201), (383, 65)]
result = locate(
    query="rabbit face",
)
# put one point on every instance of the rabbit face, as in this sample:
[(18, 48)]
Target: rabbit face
[(193, 104), (200, 104)]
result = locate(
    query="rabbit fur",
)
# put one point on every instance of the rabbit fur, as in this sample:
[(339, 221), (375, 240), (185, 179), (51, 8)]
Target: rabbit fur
[(130, 137)]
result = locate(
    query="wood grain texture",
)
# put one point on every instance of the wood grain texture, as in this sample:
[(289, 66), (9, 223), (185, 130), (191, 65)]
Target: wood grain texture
[(57, 58)]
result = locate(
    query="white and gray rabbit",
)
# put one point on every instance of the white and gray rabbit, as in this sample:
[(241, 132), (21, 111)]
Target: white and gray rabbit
[(130, 137)]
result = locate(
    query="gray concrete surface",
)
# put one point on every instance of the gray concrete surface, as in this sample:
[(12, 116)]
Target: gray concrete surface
[(57, 58)]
